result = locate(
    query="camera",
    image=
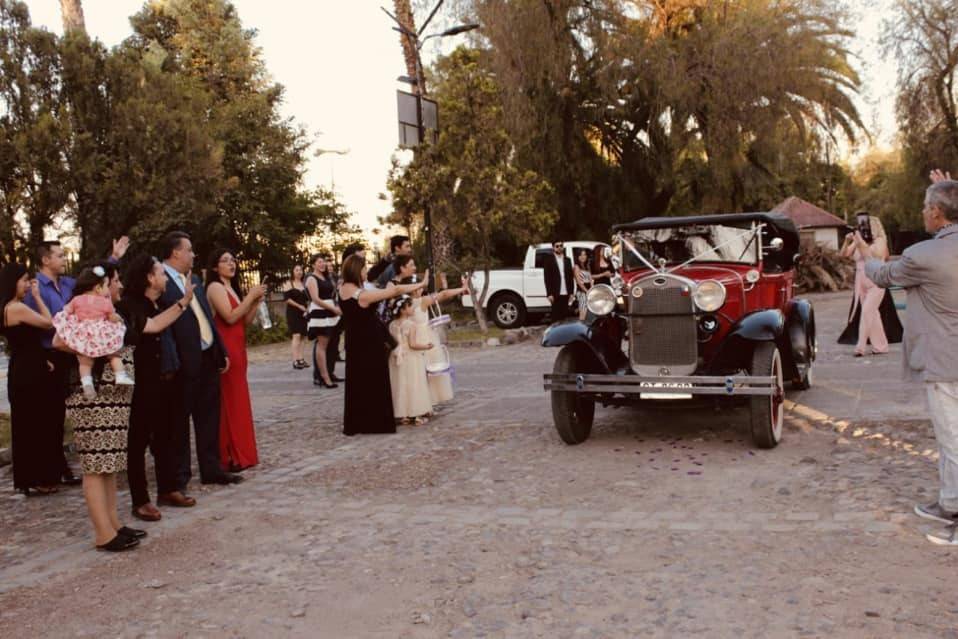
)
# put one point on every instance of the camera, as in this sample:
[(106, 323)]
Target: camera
[(865, 228)]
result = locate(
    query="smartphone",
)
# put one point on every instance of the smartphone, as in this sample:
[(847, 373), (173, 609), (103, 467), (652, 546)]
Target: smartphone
[(865, 228)]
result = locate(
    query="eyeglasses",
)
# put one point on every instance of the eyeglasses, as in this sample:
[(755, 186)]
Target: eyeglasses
[(558, 247)]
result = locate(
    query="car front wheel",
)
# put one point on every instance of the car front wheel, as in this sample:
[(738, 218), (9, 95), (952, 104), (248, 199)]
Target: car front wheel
[(572, 413), (767, 412), (508, 311)]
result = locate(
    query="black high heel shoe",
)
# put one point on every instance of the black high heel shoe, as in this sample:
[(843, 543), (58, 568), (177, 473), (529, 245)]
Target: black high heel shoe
[(332, 385)]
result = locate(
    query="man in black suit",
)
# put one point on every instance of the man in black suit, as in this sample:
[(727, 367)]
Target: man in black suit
[(560, 284), (198, 358)]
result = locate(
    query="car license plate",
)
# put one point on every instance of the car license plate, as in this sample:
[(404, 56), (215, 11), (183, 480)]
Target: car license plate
[(661, 395)]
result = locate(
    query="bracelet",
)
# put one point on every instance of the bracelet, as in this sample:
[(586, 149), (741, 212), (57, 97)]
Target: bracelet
[(180, 304)]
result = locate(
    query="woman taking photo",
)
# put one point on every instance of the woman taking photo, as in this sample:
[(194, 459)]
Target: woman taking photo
[(297, 301), (368, 404), (583, 281), (36, 450), (872, 318), (602, 270), (231, 315), (151, 414), (323, 316)]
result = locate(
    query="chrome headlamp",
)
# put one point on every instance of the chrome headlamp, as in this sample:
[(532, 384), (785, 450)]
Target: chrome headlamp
[(600, 300), (709, 296)]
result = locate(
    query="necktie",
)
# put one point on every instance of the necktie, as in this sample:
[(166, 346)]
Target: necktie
[(206, 333)]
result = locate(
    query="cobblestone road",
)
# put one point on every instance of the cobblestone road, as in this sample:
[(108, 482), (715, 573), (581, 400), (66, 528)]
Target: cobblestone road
[(482, 524)]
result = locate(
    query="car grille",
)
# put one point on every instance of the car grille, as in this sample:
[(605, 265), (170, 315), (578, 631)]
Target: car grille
[(662, 328)]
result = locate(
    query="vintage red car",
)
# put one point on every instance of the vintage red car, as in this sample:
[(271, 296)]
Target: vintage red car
[(701, 306)]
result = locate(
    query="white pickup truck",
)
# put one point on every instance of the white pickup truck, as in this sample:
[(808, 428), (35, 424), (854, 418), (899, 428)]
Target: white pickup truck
[(516, 293)]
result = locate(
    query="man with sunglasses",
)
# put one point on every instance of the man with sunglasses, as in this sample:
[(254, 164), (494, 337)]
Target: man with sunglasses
[(560, 285)]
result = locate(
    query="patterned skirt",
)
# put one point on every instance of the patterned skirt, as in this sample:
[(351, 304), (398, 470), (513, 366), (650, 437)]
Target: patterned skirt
[(100, 424)]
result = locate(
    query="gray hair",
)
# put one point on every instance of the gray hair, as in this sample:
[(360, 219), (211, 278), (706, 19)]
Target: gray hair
[(944, 195)]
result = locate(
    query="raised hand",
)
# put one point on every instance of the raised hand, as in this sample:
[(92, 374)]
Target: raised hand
[(188, 288), (35, 289), (937, 175), (120, 247)]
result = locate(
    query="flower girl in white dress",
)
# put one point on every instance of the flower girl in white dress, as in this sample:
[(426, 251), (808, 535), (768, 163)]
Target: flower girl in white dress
[(407, 366)]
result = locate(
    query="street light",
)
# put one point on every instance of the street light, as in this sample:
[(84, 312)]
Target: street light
[(419, 82)]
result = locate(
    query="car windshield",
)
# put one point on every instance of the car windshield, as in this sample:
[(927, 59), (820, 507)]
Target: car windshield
[(701, 243)]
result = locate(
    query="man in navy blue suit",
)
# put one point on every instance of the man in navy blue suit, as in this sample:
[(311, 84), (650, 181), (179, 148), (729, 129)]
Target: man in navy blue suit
[(197, 356)]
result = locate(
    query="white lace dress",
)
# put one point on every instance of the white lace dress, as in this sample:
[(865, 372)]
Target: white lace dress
[(407, 373)]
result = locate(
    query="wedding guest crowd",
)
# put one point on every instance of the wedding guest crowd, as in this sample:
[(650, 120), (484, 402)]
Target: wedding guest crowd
[(132, 366)]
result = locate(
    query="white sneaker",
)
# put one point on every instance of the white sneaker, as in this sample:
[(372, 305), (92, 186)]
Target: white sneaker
[(124, 379), (88, 390), (947, 540)]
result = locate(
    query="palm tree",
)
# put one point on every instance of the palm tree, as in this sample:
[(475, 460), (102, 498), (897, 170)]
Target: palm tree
[(404, 13), (72, 11)]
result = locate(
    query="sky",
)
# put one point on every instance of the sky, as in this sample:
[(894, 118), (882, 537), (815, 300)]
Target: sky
[(339, 60)]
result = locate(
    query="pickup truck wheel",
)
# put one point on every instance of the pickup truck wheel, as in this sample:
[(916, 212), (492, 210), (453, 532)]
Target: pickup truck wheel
[(572, 412), (508, 311), (767, 412)]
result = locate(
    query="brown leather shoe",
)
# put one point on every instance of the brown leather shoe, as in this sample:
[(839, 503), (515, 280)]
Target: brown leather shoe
[(175, 499), (147, 512)]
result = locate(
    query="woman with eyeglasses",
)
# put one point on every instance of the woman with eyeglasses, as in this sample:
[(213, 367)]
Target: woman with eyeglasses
[(231, 313)]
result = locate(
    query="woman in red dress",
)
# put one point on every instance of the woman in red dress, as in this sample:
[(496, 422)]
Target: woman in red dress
[(237, 438)]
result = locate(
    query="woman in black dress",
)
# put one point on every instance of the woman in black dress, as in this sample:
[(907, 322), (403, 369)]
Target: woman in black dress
[(602, 270), (369, 405), (323, 316), (296, 300), (36, 450)]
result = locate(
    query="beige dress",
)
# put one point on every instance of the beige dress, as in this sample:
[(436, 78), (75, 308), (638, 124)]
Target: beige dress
[(407, 373), (440, 386)]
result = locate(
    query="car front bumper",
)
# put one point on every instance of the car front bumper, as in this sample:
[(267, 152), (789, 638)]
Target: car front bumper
[(608, 385)]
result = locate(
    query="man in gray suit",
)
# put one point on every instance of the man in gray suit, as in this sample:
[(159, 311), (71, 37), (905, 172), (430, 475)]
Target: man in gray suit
[(928, 271)]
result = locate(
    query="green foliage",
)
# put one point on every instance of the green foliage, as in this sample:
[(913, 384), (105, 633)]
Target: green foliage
[(32, 168), (179, 127), (477, 193), (644, 108)]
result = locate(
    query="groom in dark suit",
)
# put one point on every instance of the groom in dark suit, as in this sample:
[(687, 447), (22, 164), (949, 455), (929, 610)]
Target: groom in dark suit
[(560, 284), (197, 356)]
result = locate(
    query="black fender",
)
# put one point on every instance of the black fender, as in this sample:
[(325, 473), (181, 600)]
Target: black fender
[(735, 352), (594, 359), (800, 328)]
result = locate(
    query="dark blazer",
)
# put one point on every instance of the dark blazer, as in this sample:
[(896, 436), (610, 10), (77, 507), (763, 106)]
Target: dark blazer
[(183, 352), (553, 281)]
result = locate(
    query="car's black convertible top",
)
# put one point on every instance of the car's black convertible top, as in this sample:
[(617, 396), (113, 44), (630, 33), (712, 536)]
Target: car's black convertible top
[(782, 224)]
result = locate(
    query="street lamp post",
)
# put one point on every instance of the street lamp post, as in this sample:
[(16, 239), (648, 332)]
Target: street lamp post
[(420, 83)]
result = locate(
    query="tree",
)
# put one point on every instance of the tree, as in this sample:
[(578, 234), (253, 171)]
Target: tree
[(32, 165), (259, 211), (477, 194), (72, 12), (616, 103), (141, 160)]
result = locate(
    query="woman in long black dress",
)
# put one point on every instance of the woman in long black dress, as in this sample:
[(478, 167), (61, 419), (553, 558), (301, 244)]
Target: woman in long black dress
[(297, 300), (36, 450), (369, 405)]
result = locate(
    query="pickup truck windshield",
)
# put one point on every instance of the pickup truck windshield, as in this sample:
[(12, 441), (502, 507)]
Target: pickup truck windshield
[(713, 243)]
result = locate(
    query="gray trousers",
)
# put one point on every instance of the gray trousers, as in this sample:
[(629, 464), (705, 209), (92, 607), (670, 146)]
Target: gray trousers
[(943, 403)]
